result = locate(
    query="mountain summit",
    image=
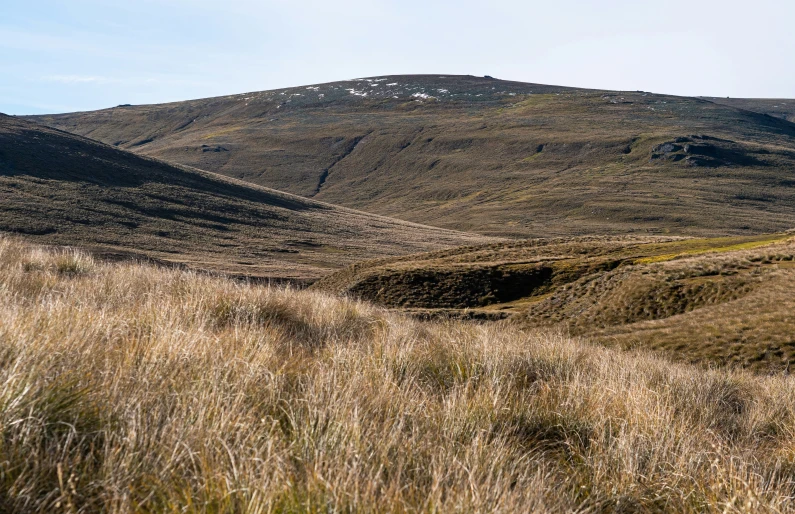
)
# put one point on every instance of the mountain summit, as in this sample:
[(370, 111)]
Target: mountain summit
[(485, 155)]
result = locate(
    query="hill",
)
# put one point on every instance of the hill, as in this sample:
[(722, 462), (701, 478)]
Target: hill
[(485, 155), (61, 189), (131, 388), (726, 301)]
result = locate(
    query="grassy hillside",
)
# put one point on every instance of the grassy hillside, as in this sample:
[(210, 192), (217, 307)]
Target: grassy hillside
[(484, 155), (58, 188), (722, 301), (130, 388)]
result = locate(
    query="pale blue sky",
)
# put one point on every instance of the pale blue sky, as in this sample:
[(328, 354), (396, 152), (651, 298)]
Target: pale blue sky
[(68, 55)]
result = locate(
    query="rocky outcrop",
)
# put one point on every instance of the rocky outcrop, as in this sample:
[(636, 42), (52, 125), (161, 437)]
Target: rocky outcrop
[(705, 151)]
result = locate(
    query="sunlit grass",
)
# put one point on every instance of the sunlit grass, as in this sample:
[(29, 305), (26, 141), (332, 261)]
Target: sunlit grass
[(130, 388), (703, 246)]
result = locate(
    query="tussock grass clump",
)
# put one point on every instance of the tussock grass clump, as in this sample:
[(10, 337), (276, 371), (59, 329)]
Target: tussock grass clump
[(129, 388), (73, 263)]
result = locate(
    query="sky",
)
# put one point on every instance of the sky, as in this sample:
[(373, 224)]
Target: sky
[(71, 55)]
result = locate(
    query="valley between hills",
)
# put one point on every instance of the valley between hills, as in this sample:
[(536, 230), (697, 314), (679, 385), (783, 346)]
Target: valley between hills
[(60, 189), (655, 221), (400, 294)]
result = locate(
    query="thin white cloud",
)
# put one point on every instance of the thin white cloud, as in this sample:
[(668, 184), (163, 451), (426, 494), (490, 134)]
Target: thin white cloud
[(80, 79)]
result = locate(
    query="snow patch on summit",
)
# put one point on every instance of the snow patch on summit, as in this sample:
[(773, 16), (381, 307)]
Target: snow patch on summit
[(423, 96)]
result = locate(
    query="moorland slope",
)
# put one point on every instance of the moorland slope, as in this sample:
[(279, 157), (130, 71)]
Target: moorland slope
[(58, 188), (484, 155)]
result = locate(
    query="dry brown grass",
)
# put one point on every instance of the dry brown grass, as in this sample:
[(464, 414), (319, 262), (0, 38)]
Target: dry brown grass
[(129, 388)]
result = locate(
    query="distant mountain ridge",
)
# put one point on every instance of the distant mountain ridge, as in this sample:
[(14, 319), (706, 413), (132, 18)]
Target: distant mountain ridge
[(777, 107), (484, 155)]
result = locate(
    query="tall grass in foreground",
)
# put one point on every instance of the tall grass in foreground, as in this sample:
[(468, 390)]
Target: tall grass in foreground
[(128, 388)]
